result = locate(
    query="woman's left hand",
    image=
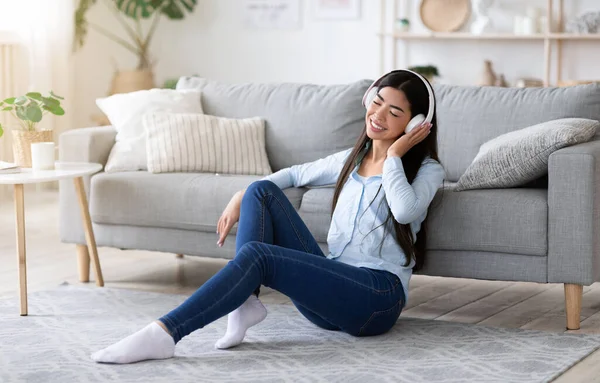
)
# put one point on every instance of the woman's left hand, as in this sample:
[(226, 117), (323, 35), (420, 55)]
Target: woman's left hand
[(408, 140)]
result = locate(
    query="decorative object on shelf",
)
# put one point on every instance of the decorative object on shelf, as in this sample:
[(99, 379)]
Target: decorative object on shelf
[(501, 81), (445, 15), (402, 25), (529, 83), (482, 22), (531, 23), (29, 110), (565, 83), (130, 14), (587, 23), (427, 71), (272, 14), (518, 25), (337, 9), (488, 76)]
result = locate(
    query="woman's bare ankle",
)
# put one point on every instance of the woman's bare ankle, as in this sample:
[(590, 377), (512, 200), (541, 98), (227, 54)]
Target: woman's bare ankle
[(162, 325)]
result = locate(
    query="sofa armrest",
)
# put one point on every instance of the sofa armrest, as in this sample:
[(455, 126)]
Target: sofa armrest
[(80, 145), (574, 214), (87, 144)]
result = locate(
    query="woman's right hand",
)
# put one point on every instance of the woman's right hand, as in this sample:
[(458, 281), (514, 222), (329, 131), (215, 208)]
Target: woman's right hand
[(230, 216)]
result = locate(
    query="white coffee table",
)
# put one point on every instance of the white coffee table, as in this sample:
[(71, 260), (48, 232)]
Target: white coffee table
[(63, 170)]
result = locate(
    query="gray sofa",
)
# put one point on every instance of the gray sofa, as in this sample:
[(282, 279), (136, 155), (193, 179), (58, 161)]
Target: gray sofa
[(544, 232)]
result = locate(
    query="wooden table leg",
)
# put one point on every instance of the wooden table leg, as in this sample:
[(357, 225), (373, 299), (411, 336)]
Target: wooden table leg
[(89, 232), (20, 229), (83, 261)]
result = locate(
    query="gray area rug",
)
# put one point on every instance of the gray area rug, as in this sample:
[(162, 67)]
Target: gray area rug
[(65, 325)]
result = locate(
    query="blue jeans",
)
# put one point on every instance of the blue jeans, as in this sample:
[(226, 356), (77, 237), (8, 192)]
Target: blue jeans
[(275, 248)]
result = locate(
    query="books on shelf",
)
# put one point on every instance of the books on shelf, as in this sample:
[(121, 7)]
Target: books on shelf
[(9, 168)]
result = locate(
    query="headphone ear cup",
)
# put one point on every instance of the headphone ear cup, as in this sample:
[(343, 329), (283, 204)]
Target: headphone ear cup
[(370, 95), (414, 122)]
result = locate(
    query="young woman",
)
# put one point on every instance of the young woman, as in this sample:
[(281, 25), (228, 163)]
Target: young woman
[(384, 186)]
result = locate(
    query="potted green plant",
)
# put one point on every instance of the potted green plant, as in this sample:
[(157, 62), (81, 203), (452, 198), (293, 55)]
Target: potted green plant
[(427, 71), (29, 110), (130, 14)]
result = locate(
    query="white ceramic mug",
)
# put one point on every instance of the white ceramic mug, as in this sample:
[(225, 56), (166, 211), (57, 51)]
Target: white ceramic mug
[(42, 155)]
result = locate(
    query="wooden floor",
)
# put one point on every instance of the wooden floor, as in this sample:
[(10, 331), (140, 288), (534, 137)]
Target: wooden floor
[(494, 303)]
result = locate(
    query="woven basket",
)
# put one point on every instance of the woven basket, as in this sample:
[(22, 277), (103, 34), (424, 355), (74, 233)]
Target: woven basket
[(131, 81), (22, 140)]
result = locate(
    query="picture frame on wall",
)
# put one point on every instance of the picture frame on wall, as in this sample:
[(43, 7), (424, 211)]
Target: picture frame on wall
[(272, 14), (337, 9)]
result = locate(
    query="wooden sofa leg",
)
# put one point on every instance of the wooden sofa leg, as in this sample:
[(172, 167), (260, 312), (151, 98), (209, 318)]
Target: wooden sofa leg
[(83, 260), (178, 255), (573, 295)]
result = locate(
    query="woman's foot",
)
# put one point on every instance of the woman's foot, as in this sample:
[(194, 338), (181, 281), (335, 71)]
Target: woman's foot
[(241, 319), (151, 342)]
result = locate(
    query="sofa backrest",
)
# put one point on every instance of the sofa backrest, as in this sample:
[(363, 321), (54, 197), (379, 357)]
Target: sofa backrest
[(468, 116), (304, 122)]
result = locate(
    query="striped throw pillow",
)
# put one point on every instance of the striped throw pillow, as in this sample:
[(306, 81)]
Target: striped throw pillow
[(186, 142)]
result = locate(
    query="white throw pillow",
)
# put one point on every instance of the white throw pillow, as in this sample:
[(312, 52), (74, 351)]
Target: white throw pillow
[(185, 142), (125, 112)]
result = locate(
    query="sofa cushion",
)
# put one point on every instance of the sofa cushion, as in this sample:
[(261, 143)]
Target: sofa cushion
[(304, 122), (192, 201), (497, 220), (315, 211), (516, 158), (501, 221), (468, 116)]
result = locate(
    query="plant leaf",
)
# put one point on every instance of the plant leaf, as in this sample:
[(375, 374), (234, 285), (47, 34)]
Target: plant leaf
[(21, 100), (7, 108), (136, 9), (20, 109), (34, 96), (81, 23), (54, 109), (1, 130), (10, 101), (55, 96), (33, 113), (49, 101), (174, 9)]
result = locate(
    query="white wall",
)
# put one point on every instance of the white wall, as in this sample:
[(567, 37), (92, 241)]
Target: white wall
[(213, 42)]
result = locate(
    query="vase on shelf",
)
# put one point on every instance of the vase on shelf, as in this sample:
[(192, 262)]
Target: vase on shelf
[(402, 25), (482, 23), (501, 81), (488, 76)]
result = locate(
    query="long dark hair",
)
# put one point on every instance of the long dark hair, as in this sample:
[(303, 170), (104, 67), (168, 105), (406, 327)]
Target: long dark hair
[(418, 98)]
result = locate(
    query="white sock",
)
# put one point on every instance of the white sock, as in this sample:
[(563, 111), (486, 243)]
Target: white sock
[(241, 319), (151, 342)]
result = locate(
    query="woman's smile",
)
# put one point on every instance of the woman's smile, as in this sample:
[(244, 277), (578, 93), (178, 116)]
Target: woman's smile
[(376, 127)]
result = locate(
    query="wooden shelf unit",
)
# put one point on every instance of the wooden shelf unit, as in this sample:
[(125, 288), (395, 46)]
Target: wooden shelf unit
[(550, 38), (488, 36)]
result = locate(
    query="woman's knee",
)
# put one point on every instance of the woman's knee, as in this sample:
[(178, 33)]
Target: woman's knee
[(262, 186), (257, 190), (251, 249)]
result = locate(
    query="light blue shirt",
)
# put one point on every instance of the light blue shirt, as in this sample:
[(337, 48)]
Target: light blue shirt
[(357, 235)]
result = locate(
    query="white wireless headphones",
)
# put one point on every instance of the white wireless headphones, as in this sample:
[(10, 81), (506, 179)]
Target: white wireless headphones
[(416, 120)]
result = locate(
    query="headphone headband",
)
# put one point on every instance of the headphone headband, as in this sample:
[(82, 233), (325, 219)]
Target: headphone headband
[(373, 88)]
